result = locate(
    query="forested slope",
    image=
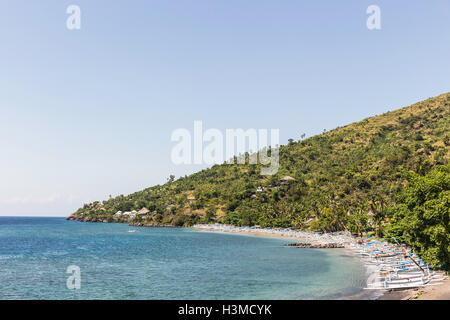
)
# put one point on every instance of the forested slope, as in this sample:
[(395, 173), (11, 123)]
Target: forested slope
[(348, 176)]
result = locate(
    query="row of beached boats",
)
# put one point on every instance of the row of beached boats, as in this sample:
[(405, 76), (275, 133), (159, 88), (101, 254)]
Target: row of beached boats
[(394, 266), (391, 266)]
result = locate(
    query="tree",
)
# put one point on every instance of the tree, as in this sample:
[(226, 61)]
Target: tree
[(422, 217), (210, 214)]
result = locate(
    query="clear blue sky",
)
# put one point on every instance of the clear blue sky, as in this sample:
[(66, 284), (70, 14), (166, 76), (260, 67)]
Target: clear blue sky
[(88, 113)]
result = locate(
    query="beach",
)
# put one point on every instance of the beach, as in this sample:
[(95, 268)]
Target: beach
[(441, 292), (299, 236), (434, 292)]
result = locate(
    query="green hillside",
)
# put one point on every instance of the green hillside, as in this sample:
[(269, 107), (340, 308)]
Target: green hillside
[(349, 176)]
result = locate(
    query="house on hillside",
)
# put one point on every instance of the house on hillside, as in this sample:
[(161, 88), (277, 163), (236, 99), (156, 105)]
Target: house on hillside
[(286, 180), (143, 212), (126, 214), (191, 198), (311, 220), (370, 213), (130, 214)]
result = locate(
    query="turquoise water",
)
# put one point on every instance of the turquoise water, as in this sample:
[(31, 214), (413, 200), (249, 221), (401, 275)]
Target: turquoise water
[(162, 263)]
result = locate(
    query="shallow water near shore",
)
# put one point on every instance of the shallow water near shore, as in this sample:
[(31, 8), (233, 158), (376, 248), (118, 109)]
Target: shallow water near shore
[(165, 263)]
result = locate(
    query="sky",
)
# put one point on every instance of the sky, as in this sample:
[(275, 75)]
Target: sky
[(89, 113)]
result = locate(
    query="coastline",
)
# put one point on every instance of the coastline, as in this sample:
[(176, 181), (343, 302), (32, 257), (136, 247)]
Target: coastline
[(437, 292), (261, 233), (255, 234), (362, 295)]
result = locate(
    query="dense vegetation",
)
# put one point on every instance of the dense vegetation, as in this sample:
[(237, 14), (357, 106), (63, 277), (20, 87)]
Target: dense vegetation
[(422, 217), (349, 177)]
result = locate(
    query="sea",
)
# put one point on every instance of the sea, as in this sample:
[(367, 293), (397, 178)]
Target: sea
[(52, 258)]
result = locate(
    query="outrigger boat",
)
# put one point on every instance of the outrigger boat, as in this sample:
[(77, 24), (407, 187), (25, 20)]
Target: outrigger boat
[(393, 266), (398, 267)]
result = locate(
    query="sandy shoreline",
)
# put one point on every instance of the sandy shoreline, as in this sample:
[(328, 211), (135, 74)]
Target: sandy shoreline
[(256, 234), (439, 292)]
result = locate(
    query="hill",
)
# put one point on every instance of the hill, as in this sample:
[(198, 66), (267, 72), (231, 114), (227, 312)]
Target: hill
[(347, 177)]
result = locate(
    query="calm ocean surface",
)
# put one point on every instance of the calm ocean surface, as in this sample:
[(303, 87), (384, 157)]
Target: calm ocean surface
[(161, 263)]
